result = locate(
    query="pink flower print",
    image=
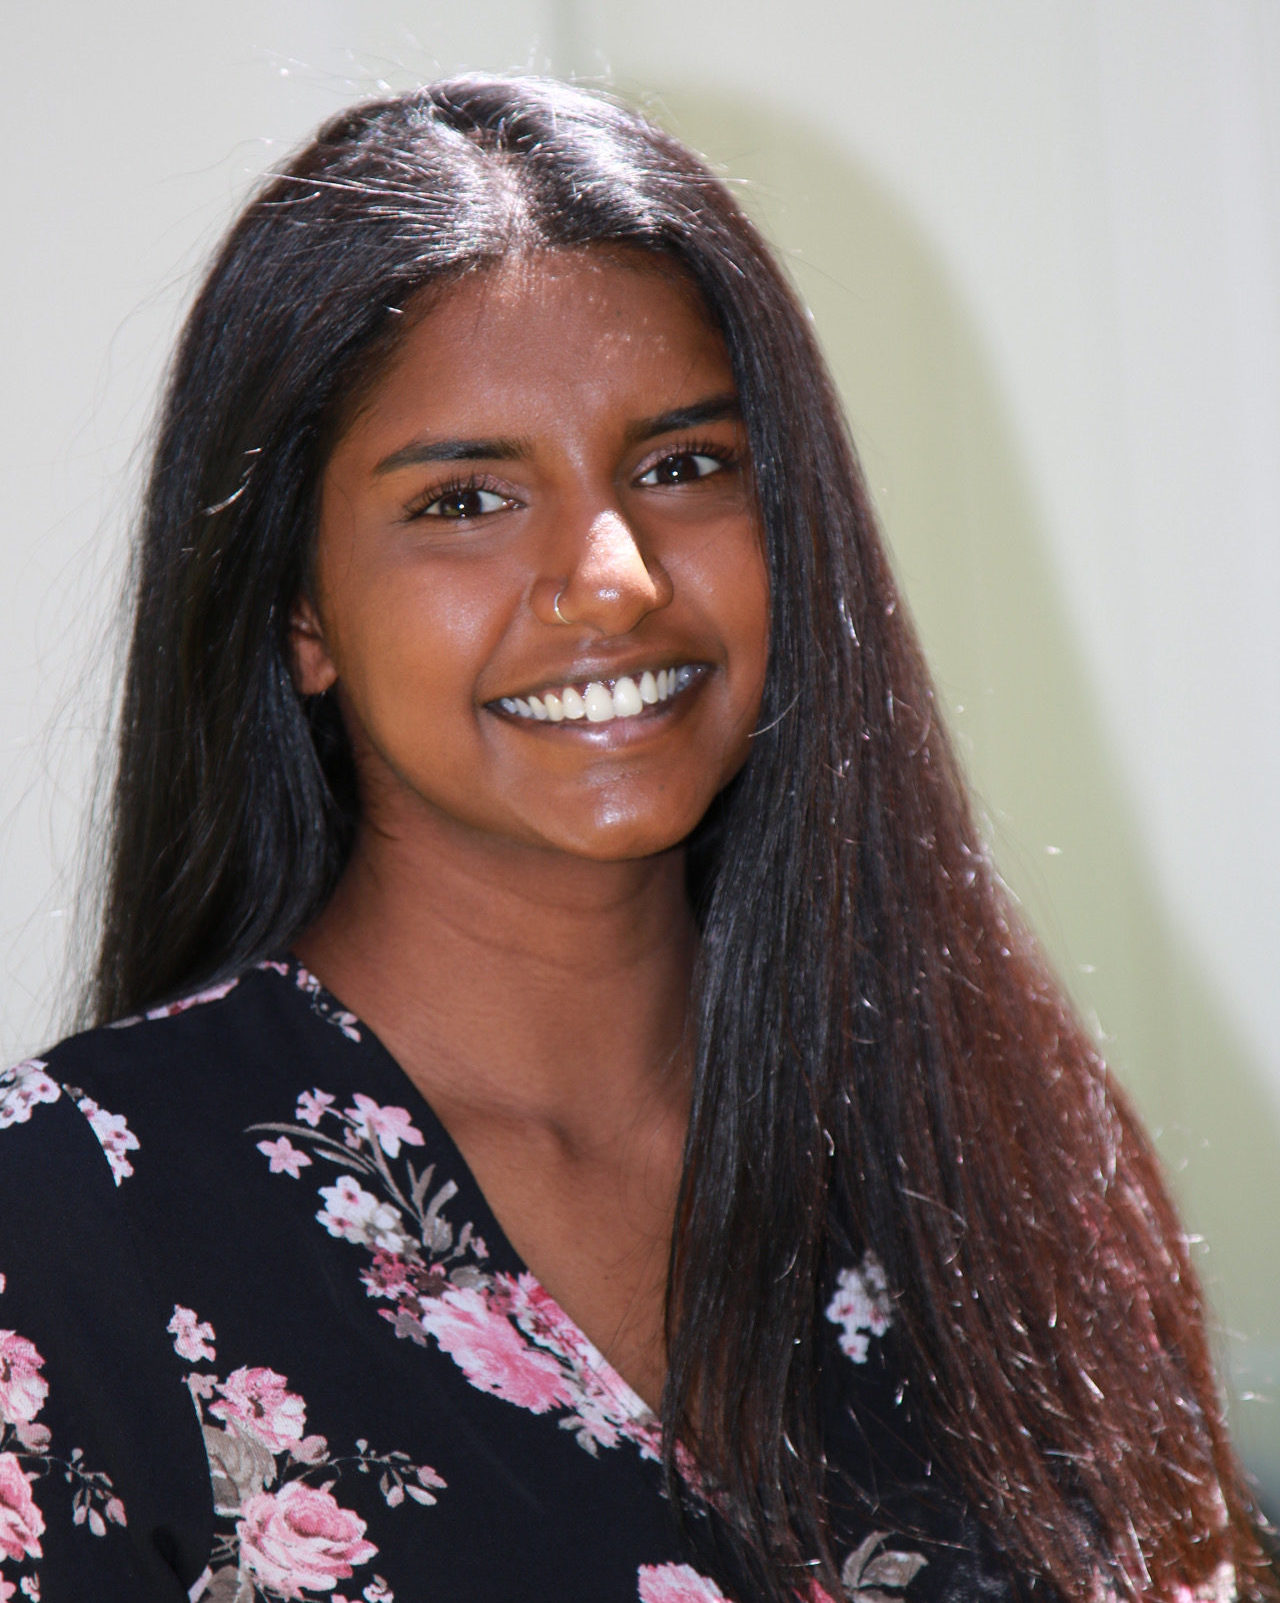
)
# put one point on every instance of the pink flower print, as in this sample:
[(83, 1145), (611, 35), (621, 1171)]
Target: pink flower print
[(388, 1126), (193, 1338), (21, 1088), (491, 1353), (215, 993), (676, 1583), (605, 1406), (540, 1316), (21, 1522), (114, 1136), (35, 1438), (22, 1388), (861, 1307), (7, 1590), (258, 1400), (352, 1214), (298, 1540), (311, 1106), (387, 1276), (285, 1157)]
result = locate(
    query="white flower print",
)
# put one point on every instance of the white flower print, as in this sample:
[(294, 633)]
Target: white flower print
[(25, 1086), (166, 1010), (376, 1592), (675, 1583), (192, 1337), (356, 1215), (861, 1307), (874, 1573), (311, 1106), (114, 1136), (279, 1534), (389, 1126), (285, 1157), (323, 1005), (22, 1088)]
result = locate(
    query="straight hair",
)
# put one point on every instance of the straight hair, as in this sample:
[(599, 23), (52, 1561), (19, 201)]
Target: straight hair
[(881, 1051)]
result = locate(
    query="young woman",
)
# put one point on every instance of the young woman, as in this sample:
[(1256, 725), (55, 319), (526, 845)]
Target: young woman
[(700, 1189)]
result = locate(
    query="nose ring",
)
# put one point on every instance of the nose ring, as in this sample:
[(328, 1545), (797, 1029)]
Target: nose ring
[(555, 606)]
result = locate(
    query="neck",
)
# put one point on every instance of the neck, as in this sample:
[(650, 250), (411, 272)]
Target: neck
[(517, 984)]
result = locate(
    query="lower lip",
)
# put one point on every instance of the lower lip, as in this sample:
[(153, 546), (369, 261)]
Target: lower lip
[(616, 731)]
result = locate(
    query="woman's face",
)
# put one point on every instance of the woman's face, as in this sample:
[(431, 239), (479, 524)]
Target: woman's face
[(539, 583)]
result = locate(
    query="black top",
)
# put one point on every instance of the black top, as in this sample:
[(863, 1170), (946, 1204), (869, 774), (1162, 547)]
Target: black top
[(263, 1339)]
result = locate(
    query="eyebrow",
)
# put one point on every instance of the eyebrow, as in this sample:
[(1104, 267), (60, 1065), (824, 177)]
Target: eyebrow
[(715, 409), (452, 451)]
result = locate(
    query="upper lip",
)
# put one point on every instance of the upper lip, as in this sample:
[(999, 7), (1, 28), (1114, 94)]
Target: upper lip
[(586, 670)]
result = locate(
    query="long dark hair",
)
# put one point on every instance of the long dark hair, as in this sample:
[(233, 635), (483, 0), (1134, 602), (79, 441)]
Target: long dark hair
[(877, 1034)]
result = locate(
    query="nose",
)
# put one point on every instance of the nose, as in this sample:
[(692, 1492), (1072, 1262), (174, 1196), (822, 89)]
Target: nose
[(612, 583)]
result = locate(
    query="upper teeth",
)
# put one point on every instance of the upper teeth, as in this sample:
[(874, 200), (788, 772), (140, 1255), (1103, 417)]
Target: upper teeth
[(602, 700)]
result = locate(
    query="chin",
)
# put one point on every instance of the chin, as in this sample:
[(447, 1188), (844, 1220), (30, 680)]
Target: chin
[(620, 840)]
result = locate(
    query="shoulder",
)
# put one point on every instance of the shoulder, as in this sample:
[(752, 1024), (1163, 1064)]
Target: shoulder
[(85, 1113), (227, 1034), (206, 1023)]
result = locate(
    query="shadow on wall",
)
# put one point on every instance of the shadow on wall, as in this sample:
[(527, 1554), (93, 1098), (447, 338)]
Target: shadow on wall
[(943, 459)]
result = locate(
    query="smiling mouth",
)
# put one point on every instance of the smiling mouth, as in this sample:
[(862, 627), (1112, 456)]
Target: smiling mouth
[(602, 701)]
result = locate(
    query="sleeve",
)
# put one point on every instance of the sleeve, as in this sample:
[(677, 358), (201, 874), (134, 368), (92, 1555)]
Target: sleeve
[(104, 1485)]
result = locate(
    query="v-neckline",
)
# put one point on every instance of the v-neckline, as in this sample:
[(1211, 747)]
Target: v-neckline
[(311, 990)]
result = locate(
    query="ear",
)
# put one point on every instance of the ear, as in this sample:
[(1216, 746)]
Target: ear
[(313, 668)]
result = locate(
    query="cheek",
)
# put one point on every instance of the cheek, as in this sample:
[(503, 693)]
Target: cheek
[(411, 637), (397, 694)]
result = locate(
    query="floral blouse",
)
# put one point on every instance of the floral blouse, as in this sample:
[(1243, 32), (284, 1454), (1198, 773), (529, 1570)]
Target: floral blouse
[(261, 1338)]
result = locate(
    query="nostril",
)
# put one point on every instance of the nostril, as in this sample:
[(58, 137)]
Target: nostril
[(614, 584)]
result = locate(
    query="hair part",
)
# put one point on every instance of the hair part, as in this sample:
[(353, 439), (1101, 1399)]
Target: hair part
[(879, 1041)]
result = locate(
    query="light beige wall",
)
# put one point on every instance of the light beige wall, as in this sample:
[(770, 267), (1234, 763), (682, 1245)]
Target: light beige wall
[(1042, 243)]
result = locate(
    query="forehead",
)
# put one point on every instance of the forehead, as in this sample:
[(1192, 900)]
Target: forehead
[(592, 323)]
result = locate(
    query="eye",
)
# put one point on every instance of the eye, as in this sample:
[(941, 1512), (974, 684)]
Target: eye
[(682, 467), (458, 502)]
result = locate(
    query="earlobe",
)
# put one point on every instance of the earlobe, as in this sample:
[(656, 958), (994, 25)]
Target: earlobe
[(313, 668)]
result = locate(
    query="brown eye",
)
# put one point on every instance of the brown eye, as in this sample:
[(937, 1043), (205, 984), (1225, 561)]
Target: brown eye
[(681, 468), (463, 501)]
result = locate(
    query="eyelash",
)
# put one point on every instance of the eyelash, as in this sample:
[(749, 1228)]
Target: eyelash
[(726, 455), (461, 485)]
